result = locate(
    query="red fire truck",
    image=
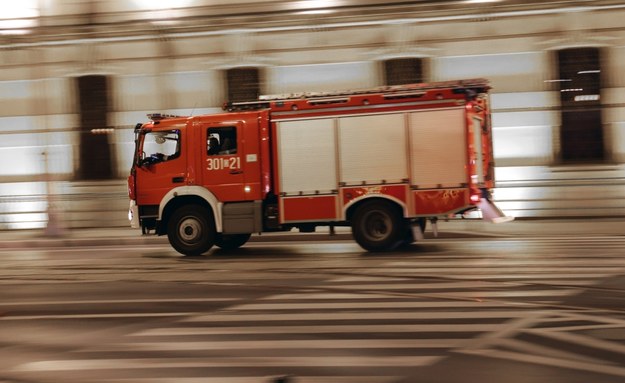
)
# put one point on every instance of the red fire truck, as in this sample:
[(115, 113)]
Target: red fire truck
[(381, 160)]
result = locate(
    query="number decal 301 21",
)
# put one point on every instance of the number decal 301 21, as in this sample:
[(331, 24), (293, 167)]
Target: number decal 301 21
[(220, 163)]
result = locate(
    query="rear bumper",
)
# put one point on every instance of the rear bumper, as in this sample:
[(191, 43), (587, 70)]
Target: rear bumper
[(490, 212)]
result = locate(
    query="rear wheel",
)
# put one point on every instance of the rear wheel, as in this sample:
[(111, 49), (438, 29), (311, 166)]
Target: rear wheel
[(191, 230), (378, 226), (231, 241)]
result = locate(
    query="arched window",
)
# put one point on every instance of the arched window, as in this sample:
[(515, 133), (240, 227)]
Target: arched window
[(243, 84), (581, 133), (95, 152), (403, 71)]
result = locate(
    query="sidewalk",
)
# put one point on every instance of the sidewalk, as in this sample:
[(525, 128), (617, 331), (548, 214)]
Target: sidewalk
[(538, 227), (456, 228)]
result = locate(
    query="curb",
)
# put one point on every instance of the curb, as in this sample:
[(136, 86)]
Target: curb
[(66, 242), (152, 240), (446, 230)]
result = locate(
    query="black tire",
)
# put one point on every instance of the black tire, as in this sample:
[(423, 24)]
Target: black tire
[(378, 226), (231, 241), (191, 230)]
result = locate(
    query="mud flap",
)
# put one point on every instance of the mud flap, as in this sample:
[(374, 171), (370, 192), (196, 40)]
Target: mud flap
[(417, 232), (490, 212)]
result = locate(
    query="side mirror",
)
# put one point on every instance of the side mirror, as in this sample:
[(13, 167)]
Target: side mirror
[(142, 160), (145, 162)]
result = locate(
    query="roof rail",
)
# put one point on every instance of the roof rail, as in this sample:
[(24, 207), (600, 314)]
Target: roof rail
[(161, 116), (387, 89), (388, 92)]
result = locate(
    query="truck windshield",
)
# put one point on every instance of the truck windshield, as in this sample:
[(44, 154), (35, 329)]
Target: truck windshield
[(160, 146)]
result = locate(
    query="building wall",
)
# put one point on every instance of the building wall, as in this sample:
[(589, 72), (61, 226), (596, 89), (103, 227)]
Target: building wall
[(157, 69)]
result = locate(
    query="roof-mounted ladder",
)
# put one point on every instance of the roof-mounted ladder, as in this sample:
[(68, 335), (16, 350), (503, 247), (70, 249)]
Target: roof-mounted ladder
[(334, 97)]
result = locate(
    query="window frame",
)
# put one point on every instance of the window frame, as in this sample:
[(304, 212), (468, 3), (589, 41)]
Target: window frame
[(579, 83), (222, 133)]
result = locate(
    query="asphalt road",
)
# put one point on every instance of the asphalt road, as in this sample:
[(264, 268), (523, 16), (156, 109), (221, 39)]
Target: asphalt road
[(536, 309)]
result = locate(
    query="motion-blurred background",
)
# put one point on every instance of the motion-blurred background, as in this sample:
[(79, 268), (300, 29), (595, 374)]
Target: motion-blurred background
[(77, 75)]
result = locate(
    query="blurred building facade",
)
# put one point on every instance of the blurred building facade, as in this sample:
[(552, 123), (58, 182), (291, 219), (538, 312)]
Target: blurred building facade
[(76, 76)]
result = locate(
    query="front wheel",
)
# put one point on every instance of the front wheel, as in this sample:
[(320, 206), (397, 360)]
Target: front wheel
[(231, 241), (191, 230), (378, 226)]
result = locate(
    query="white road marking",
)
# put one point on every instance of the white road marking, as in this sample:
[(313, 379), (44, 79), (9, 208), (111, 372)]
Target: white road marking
[(95, 316), (260, 379), (217, 362), (303, 344), (383, 315), (322, 329), (115, 301)]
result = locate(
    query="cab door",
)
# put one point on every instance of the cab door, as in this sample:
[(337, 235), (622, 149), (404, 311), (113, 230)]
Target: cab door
[(229, 158), (162, 164)]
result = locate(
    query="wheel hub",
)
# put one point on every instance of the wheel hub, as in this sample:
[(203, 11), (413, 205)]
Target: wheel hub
[(190, 230), (377, 225)]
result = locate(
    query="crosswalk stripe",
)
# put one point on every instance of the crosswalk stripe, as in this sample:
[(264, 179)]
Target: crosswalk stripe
[(508, 278), (262, 379), (484, 269), (384, 315), (221, 362), (349, 305), (116, 301), (462, 285), (273, 344), (510, 294), (93, 316), (480, 294), (367, 297), (321, 329)]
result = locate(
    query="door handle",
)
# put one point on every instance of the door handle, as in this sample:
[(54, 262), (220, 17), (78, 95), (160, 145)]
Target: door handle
[(177, 180), (236, 171)]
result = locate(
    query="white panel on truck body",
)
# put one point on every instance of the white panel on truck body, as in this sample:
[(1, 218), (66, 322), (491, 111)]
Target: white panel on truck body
[(438, 148), (373, 149), (307, 156)]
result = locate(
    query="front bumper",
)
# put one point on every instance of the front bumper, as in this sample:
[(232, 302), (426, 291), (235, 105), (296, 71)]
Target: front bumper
[(133, 215)]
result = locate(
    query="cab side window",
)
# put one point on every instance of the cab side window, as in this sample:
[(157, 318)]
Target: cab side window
[(221, 141), (160, 146)]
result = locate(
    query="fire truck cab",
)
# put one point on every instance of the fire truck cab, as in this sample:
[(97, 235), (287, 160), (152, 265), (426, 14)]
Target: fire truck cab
[(380, 160)]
